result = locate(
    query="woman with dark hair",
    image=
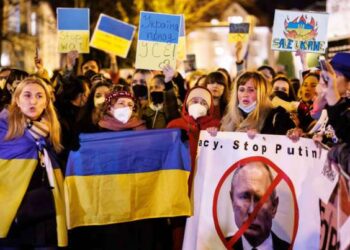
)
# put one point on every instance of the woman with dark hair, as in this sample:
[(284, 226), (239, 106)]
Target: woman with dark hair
[(90, 115), (216, 82), (71, 98), (283, 94)]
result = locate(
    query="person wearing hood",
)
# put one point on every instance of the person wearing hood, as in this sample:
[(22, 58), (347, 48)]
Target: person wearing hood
[(197, 115), (163, 104), (119, 113), (250, 109)]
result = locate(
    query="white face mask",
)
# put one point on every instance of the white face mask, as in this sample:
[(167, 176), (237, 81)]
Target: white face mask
[(197, 110), (122, 114), (247, 109), (99, 100)]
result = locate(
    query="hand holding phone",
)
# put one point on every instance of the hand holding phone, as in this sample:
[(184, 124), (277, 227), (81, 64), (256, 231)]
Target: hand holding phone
[(323, 65)]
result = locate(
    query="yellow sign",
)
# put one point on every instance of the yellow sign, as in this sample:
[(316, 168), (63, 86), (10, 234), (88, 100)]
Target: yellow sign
[(73, 40), (110, 43), (155, 55)]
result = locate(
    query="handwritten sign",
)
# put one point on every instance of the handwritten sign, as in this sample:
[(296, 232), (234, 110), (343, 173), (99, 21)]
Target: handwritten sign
[(293, 30), (157, 27), (158, 39), (153, 55), (73, 27), (181, 50), (112, 36), (238, 32)]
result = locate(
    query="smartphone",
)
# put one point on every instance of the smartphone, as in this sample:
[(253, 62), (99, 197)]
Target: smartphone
[(323, 66)]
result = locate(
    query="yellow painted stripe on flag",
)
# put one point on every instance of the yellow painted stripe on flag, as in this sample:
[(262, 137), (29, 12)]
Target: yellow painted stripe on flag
[(110, 43), (181, 49), (15, 176), (107, 199)]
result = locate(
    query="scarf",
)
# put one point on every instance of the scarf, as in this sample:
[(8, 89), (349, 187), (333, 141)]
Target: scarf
[(113, 124), (39, 130)]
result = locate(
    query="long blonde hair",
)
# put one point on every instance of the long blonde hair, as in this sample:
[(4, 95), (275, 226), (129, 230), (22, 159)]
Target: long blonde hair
[(17, 120), (233, 119)]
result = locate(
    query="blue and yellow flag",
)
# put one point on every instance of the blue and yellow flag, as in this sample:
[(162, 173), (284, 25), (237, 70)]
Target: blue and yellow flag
[(126, 176), (18, 160)]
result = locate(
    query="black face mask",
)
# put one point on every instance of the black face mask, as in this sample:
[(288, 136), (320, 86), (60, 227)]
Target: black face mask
[(140, 90), (282, 95), (157, 97), (89, 74)]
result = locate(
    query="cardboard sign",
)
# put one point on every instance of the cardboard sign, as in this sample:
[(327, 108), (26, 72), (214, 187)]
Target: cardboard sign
[(238, 32), (154, 55), (73, 25), (112, 36), (158, 39), (293, 30)]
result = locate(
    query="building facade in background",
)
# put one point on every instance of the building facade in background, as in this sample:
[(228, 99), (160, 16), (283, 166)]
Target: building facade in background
[(28, 26)]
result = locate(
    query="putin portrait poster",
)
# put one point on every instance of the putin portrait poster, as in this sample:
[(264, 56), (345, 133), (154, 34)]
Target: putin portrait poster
[(263, 193)]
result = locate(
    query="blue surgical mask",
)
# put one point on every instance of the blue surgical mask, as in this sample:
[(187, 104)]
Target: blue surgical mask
[(247, 109)]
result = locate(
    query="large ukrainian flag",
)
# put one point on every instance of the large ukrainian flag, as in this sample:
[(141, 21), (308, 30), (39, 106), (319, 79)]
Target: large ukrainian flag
[(18, 160), (126, 176)]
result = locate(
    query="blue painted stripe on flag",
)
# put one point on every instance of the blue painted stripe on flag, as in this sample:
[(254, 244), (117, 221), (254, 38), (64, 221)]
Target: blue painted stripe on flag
[(73, 19), (129, 153), (116, 27)]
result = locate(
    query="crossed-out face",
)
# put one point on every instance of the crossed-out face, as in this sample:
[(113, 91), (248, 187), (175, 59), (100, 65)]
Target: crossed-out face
[(247, 188), (32, 101)]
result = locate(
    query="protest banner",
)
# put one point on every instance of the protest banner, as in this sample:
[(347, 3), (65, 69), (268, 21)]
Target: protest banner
[(73, 25), (112, 36), (157, 40), (294, 30), (127, 176), (266, 188), (238, 32), (181, 47)]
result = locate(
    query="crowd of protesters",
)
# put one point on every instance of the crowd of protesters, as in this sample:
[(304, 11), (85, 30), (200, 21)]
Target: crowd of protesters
[(56, 110)]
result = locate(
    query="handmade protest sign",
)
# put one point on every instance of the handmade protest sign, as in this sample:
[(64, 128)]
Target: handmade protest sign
[(282, 202), (238, 32), (294, 30), (158, 39), (112, 36), (73, 25)]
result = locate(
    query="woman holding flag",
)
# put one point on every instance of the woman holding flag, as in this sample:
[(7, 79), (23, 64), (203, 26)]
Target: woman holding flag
[(31, 194)]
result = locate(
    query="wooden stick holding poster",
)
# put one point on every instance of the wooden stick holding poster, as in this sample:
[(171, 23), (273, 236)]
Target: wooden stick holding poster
[(295, 30), (113, 36), (73, 25), (158, 39)]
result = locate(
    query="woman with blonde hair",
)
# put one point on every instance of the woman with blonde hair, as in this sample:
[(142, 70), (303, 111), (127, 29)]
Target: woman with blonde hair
[(250, 110), (32, 210)]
